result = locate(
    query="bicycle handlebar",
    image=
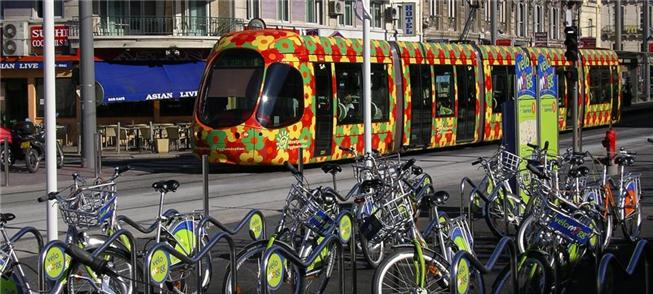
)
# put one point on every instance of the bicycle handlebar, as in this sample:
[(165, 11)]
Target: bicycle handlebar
[(49, 196), (291, 168), (97, 264), (476, 162)]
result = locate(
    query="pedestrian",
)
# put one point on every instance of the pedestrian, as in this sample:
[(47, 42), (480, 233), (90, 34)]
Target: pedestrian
[(628, 96)]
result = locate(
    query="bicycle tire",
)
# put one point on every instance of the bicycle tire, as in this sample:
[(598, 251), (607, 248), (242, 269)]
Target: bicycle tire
[(121, 284), (435, 263), (526, 261), (632, 222), (494, 208), (370, 257)]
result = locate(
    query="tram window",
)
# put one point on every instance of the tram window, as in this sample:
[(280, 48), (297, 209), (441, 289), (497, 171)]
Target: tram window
[(379, 92), (232, 88), (282, 102), (503, 86), (600, 90), (349, 80), (444, 95)]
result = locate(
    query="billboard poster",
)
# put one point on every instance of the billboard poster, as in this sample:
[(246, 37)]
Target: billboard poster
[(525, 109), (547, 90)]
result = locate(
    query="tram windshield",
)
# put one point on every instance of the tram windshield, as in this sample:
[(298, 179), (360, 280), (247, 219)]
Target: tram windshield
[(232, 89)]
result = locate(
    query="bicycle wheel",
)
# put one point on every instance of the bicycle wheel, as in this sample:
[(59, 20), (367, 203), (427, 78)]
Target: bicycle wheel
[(83, 280), (397, 273), (532, 235), (534, 275), (248, 267), (632, 211), (373, 252), (494, 213), (183, 279)]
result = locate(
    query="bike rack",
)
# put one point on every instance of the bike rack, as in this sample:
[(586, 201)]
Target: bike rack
[(115, 237), (39, 241), (609, 260), (231, 232), (189, 260), (328, 241), (505, 242)]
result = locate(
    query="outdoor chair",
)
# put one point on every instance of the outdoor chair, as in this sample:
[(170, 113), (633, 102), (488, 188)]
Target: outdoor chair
[(173, 136), (146, 138), (109, 136)]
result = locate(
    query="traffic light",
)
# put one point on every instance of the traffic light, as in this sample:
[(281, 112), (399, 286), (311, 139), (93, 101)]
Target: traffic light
[(571, 41)]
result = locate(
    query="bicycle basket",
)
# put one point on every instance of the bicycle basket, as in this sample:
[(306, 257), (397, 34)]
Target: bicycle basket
[(391, 217), (302, 208), (383, 168), (88, 208), (506, 165)]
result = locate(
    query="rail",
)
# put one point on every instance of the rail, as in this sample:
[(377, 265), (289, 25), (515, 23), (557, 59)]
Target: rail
[(136, 25), (254, 218), (609, 261), (343, 237), (39, 242), (96, 252), (506, 243)]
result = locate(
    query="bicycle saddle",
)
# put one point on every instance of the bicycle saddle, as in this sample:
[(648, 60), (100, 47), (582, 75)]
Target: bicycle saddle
[(626, 160), (5, 217), (166, 186), (578, 172), (331, 168), (438, 198), (369, 184)]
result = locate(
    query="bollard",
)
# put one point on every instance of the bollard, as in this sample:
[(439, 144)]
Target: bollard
[(118, 138), (205, 182), (79, 145), (96, 148), (5, 161), (300, 162), (98, 160), (151, 137)]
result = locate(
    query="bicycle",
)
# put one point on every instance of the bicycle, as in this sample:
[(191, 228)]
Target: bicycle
[(306, 219), (13, 276)]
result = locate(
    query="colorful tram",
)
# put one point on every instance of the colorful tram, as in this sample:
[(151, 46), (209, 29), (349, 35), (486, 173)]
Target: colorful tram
[(267, 93)]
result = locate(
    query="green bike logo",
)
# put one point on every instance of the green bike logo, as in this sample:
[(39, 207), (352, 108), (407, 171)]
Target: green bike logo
[(344, 229), (274, 271), (462, 276), (159, 267), (55, 263), (256, 226)]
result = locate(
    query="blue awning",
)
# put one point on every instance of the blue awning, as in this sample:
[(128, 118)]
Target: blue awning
[(132, 82)]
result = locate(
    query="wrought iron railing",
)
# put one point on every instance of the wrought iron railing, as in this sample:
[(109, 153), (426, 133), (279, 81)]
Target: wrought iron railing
[(115, 26)]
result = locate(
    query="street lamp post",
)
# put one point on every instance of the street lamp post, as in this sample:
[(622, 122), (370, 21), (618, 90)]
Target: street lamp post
[(50, 116)]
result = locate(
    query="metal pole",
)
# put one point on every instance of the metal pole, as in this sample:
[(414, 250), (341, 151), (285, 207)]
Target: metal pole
[(118, 138), (300, 160), (5, 161), (205, 182), (367, 81), (573, 89), (50, 116), (647, 36), (151, 137), (493, 21), (98, 161), (96, 148), (87, 83), (617, 25)]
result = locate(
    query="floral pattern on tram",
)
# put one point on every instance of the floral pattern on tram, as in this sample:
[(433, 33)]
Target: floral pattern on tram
[(249, 143), (601, 113), (493, 56), (443, 128)]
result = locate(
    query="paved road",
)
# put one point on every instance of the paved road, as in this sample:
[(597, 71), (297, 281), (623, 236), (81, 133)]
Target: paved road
[(234, 191)]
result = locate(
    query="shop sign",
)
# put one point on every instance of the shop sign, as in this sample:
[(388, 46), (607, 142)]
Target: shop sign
[(541, 39), (409, 19), (504, 42), (61, 33), (32, 65), (587, 42)]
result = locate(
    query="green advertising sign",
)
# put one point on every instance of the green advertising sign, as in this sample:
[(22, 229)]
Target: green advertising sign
[(526, 109), (547, 87)]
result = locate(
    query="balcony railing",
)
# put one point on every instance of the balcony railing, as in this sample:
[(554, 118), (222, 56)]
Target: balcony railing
[(188, 26), (629, 32)]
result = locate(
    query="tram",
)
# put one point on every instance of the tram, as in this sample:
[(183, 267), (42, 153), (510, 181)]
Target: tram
[(266, 94)]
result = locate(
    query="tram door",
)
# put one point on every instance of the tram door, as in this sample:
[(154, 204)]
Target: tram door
[(323, 109), (421, 105), (466, 103)]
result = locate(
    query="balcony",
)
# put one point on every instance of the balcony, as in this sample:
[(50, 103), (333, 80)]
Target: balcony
[(169, 26), (629, 33)]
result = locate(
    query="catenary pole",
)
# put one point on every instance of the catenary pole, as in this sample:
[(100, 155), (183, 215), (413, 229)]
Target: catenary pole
[(617, 25), (493, 21), (367, 80), (573, 89), (50, 116), (646, 14), (87, 83)]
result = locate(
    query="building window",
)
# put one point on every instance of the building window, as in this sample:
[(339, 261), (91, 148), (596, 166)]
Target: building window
[(590, 27), (502, 10), (253, 9), (400, 21), (488, 10), (314, 11), (348, 17), (555, 23), (451, 8), (377, 14), (521, 19), (65, 97), (58, 8), (539, 19), (282, 10), (433, 6)]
